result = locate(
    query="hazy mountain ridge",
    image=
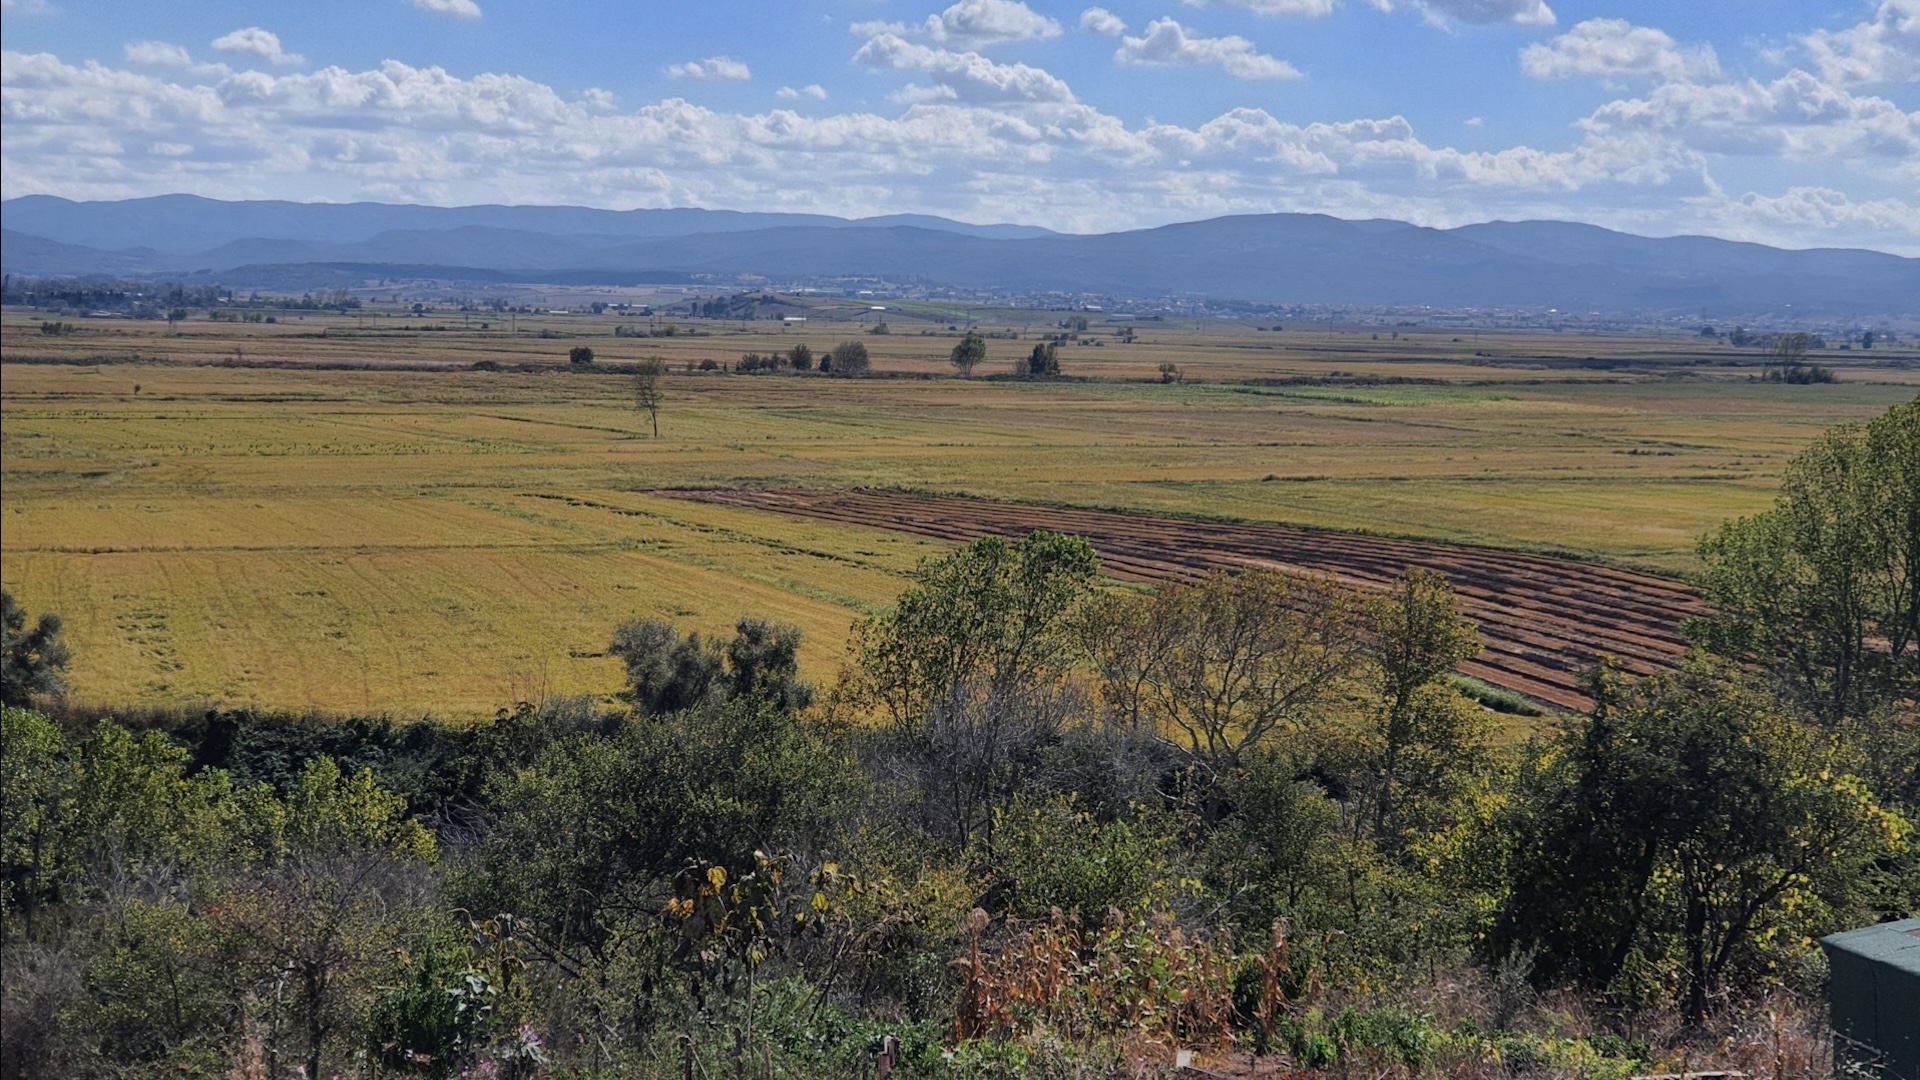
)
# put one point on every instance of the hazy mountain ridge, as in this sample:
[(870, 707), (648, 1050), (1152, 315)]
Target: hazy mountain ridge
[(185, 224), (1271, 258)]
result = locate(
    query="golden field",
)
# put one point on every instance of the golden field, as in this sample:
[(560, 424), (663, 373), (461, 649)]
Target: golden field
[(358, 521)]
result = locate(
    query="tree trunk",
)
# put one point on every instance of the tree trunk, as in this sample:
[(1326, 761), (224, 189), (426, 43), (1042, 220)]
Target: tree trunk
[(316, 1023), (1696, 934)]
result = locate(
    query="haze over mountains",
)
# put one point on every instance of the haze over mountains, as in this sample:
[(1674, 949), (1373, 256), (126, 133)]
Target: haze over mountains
[(1272, 258)]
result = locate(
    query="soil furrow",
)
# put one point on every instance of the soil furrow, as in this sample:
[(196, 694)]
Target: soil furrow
[(1545, 620)]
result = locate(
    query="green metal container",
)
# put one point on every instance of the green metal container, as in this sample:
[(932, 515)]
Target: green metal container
[(1875, 997)]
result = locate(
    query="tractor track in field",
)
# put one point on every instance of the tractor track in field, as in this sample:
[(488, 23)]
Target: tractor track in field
[(1544, 620)]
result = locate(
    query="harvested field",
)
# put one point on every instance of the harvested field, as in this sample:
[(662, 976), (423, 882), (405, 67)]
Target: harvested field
[(1544, 619), (416, 539)]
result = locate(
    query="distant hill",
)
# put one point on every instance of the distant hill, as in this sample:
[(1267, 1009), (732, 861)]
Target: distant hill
[(185, 224), (1270, 258)]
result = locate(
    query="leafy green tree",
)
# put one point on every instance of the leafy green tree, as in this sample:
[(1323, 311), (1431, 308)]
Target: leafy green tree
[(338, 872), (1417, 635), (668, 671), (32, 661), (201, 902), (580, 356), (763, 663), (1686, 829), (850, 357), (1054, 854), (968, 354), (1222, 664), (1043, 362), (158, 998), (968, 668), (1824, 589), (111, 800), (1277, 853), (801, 358), (709, 785), (988, 618), (37, 814)]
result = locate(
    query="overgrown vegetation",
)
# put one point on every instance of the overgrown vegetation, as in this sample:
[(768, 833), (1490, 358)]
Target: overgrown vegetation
[(1037, 827)]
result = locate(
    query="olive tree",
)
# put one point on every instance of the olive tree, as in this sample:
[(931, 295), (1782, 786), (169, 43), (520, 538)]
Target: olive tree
[(668, 671)]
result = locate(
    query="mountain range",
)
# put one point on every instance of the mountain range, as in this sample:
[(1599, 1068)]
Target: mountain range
[(1268, 258)]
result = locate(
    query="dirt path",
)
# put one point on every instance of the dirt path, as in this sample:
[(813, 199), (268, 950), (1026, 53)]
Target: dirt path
[(1544, 619)]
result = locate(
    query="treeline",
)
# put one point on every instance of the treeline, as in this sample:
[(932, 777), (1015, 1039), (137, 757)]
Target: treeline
[(849, 358), (158, 299), (1038, 826)]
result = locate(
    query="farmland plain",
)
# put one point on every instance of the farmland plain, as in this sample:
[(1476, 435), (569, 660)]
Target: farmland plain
[(340, 513)]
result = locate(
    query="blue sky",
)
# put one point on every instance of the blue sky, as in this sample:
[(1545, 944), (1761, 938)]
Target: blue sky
[(1784, 121)]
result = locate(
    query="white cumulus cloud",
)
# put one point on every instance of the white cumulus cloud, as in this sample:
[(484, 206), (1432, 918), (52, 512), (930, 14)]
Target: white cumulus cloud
[(1101, 21), (1302, 8), (1796, 116), (963, 76), (973, 23), (1810, 217), (255, 41), (1617, 47), (1477, 12), (1168, 44), (811, 90), (464, 9), (713, 67), (157, 54), (1883, 49), (1438, 12)]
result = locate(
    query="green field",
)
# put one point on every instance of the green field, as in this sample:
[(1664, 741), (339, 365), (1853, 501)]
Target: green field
[(370, 525)]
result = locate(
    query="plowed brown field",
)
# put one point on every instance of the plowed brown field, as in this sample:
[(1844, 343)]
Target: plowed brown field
[(1544, 619)]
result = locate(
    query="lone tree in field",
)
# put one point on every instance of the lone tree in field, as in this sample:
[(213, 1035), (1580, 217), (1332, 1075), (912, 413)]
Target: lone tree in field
[(968, 354), (646, 389), (1042, 363), (849, 358), (580, 355), (1786, 362), (32, 662)]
